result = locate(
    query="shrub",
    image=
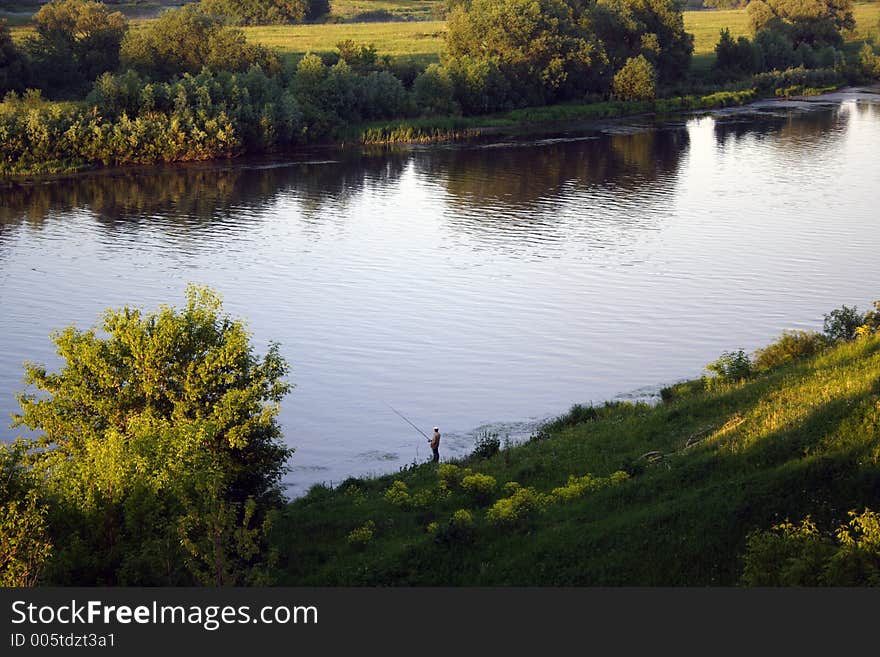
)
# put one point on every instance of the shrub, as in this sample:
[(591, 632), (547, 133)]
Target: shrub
[(360, 537), (480, 486), (869, 62), (175, 471), (433, 92), (576, 487), (735, 58), (398, 495), (486, 444), (791, 345), (462, 520), (13, 65), (450, 474), (801, 555), (188, 39), (841, 323), (637, 80), (511, 487), (731, 366), (266, 12), (515, 509)]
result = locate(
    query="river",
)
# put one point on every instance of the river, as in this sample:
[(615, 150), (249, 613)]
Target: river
[(476, 287)]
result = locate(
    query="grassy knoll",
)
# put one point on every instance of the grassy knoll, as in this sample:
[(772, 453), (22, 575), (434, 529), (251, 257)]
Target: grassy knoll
[(800, 439)]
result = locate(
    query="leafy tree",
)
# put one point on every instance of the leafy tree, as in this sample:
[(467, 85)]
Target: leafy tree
[(637, 80), (188, 39), (266, 12), (75, 41), (653, 28), (543, 48), (159, 447), (433, 91), (803, 21), (841, 323), (13, 66), (735, 58)]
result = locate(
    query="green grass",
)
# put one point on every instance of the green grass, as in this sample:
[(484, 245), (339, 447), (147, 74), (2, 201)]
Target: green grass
[(801, 439), (421, 41)]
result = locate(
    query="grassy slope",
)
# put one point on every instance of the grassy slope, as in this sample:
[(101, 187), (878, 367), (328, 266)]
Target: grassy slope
[(799, 440)]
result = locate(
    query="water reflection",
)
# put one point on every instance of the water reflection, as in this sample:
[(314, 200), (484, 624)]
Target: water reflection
[(471, 286)]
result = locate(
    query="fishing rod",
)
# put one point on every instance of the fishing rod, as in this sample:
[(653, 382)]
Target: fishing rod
[(405, 419)]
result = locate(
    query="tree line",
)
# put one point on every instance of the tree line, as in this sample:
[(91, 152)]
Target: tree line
[(87, 89)]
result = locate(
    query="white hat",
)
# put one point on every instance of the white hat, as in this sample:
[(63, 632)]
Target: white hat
[(436, 428)]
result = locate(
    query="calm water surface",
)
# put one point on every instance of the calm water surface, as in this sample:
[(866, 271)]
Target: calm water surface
[(471, 287)]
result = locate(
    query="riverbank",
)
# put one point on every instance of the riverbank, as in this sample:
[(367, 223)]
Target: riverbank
[(534, 121), (622, 494)]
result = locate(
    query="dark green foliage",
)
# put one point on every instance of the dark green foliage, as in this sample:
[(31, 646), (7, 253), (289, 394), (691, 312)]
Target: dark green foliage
[(791, 345), (486, 444), (187, 40), (736, 59), (841, 323), (433, 92), (75, 41), (732, 366), (13, 65), (652, 28), (541, 49), (158, 455), (801, 555), (24, 543), (361, 58), (816, 22), (266, 12)]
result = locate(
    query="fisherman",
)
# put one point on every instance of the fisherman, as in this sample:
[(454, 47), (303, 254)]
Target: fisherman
[(435, 444)]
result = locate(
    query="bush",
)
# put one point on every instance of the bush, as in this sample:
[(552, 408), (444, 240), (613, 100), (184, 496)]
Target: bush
[(398, 495), (433, 92), (734, 59), (174, 475), (462, 520), (450, 474), (732, 366), (841, 323), (187, 40), (486, 444), (800, 555), (791, 345), (480, 486), (576, 487), (266, 12), (514, 510), (637, 80), (75, 41), (361, 536), (13, 65)]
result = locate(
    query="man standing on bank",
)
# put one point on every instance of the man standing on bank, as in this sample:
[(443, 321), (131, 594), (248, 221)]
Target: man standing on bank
[(435, 445)]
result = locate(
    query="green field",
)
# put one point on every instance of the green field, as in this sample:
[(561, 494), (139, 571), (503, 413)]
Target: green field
[(705, 469), (419, 40), (422, 40)]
